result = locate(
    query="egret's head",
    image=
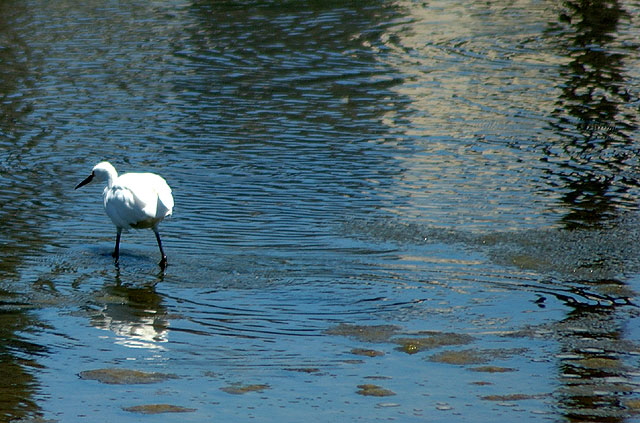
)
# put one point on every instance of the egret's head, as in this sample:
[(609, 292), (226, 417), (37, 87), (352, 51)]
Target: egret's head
[(102, 172)]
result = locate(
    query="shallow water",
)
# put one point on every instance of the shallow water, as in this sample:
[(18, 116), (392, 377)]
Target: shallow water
[(384, 211)]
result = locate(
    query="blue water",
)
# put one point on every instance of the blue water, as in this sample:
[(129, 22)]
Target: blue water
[(347, 176)]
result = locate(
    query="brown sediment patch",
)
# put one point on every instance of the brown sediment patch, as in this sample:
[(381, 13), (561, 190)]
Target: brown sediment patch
[(371, 390), (366, 352), (460, 357), (239, 389), (598, 363), (303, 369), (158, 409), (633, 405), (474, 356), (599, 389), (510, 397), (493, 369), (415, 345), (364, 333), (124, 376)]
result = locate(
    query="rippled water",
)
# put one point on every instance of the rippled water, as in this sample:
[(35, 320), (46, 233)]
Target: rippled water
[(400, 211)]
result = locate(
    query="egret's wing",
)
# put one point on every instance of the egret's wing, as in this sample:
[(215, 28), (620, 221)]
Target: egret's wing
[(150, 193), (164, 198), (124, 207)]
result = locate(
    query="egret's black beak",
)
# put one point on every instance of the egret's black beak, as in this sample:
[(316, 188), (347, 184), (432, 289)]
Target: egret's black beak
[(85, 182)]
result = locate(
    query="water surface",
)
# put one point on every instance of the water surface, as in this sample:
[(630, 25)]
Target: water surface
[(384, 211)]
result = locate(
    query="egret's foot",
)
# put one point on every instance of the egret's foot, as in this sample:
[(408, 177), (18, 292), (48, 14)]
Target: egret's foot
[(163, 263)]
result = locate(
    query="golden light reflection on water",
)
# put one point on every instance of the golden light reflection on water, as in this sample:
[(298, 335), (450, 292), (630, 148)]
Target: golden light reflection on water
[(458, 72), (483, 83), (456, 82)]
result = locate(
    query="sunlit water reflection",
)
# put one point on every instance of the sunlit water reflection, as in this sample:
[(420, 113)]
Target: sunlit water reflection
[(384, 211)]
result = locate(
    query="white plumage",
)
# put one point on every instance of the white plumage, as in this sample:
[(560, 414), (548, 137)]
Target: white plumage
[(133, 200)]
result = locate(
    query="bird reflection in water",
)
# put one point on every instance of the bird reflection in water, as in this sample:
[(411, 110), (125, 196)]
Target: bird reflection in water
[(135, 315)]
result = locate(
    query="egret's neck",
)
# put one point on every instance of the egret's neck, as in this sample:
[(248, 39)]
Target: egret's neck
[(111, 178), (104, 172)]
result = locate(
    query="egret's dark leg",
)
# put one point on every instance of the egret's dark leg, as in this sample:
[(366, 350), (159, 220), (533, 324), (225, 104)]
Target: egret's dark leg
[(116, 251), (163, 262)]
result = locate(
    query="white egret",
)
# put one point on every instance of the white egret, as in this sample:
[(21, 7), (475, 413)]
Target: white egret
[(133, 200)]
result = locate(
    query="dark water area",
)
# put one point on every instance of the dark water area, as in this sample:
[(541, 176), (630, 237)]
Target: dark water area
[(385, 211)]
